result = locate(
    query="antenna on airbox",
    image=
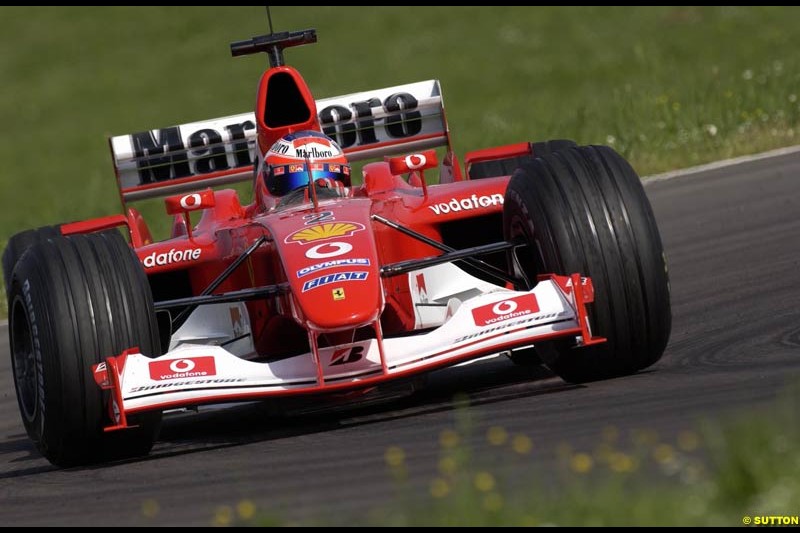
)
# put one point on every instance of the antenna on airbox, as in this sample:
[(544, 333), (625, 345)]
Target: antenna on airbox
[(274, 43), (269, 18)]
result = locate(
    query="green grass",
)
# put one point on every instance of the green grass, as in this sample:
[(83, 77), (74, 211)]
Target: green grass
[(668, 87)]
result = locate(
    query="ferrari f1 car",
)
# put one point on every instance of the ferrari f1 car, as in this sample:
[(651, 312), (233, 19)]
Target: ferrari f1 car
[(547, 252)]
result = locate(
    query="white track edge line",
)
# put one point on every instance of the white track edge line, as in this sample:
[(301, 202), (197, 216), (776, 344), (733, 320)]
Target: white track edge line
[(722, 164)]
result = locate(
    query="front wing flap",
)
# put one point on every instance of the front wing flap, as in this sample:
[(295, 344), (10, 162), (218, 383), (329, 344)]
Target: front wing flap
[(490, 323)]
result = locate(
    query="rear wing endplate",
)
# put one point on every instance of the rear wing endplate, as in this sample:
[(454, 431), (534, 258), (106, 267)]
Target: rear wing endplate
[(197, 155)]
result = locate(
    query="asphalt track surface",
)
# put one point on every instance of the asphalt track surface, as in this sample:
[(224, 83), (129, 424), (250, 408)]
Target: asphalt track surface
[(730, 236)]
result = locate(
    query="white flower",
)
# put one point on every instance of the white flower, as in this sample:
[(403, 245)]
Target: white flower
[(711, 129)]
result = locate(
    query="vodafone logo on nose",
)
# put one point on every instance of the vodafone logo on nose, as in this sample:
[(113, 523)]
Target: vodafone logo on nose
[(505, 310), (188, 367), (329, 249)]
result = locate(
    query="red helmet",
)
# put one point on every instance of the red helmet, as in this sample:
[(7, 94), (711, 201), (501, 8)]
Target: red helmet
[(289, 161)]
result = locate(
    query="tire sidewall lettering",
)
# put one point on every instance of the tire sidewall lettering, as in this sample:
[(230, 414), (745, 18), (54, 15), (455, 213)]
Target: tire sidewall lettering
[(36, 418)]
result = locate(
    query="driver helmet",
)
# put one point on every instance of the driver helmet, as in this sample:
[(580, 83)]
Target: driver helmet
[(289, 161)]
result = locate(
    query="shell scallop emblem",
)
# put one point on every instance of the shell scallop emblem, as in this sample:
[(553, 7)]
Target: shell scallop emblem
[(324, 231)]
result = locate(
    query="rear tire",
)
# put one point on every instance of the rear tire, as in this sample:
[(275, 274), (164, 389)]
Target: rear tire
[(583, 209), (505, 167), (543, 148), (72, 302), (19, 243)]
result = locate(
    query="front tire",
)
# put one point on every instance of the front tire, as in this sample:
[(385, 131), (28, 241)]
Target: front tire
[(72, 302), (583, 209)]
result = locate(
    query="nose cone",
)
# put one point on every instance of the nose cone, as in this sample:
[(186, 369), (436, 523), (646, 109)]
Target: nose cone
[(331, 262), (346, 296)]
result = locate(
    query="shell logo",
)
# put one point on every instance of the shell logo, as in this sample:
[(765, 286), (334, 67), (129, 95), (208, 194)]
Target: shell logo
[(324, 231)]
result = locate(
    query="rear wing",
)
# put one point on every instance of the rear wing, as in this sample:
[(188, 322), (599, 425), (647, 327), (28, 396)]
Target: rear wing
[(197, 155)]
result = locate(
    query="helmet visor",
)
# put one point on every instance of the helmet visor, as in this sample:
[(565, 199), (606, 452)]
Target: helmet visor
[(282, 179)]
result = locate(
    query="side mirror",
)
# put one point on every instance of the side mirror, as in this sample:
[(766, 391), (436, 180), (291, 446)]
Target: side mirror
[(186, 203), (414, 163)]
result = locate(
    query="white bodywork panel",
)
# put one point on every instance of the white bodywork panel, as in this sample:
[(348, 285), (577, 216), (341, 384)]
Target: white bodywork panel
[(197, 369)]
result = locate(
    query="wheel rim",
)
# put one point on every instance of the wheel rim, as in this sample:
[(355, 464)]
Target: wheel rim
[(23, 359)]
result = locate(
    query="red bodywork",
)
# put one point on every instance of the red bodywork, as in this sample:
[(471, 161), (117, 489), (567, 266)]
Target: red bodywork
[(323, 258)]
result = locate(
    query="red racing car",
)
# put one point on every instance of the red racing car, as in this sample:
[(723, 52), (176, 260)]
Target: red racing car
[(547, 252)]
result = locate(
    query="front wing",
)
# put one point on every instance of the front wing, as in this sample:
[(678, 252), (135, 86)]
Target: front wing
[(490, 323)]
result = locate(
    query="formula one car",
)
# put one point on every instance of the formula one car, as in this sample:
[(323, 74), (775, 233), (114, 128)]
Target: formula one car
[(547, 252)]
